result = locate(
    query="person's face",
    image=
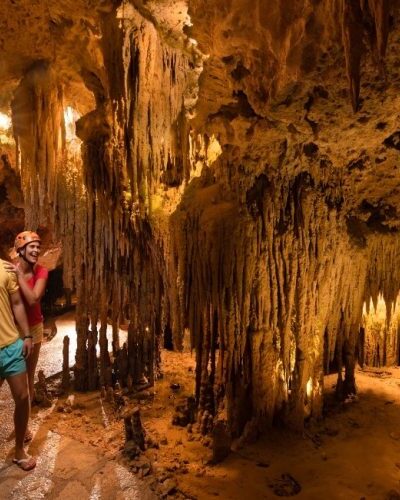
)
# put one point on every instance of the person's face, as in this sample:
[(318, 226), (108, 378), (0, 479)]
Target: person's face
[(32, 252)]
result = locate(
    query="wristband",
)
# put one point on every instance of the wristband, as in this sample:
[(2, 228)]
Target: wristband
[(28, 337)]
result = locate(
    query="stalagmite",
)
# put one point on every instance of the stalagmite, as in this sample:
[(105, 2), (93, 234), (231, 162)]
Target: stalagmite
[(185, 414), (134, 433), (65, 381), (380, 334), (110, 395), (221, 442), (42, 396)]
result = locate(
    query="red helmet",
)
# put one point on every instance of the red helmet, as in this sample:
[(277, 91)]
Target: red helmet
[(24, 238)]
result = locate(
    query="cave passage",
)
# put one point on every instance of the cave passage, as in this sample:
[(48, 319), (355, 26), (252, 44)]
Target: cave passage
[(216, 187)]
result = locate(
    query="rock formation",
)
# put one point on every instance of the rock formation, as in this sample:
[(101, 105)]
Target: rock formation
[(234, 172), (65, 380), (11, 199)]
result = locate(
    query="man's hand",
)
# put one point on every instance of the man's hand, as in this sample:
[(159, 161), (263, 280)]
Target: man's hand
[(27, 348), (11, 268)]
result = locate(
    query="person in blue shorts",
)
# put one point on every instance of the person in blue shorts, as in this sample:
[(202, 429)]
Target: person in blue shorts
[(13, 353)]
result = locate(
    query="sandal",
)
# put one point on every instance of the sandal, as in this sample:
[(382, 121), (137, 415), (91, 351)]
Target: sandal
[(26, 464), (28, 436)]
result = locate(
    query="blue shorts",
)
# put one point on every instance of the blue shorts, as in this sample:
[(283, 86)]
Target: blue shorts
[(12, 362)]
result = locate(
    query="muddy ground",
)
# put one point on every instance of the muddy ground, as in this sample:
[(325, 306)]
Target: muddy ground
[(353, 453)]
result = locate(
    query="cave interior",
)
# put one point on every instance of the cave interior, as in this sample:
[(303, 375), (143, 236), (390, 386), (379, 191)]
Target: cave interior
[(215, 183)]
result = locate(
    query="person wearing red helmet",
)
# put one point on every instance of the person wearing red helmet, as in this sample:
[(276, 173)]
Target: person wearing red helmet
[(32, 279)]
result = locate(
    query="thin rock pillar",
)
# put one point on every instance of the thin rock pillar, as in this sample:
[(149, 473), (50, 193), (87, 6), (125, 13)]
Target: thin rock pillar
[(349, 350), (65, 382), (93, 377)]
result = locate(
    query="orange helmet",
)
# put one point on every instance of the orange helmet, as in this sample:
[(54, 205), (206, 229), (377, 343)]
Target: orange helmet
[(24, 238)]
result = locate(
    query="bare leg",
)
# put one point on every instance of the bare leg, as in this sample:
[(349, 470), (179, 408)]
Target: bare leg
[(31, 364), (19, 390)]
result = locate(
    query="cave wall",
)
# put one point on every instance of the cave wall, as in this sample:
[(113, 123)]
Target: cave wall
[(238, 177), (11, 198)]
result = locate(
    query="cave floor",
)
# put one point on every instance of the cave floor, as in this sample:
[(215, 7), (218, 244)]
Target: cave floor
[(353, 453), (70, 465)]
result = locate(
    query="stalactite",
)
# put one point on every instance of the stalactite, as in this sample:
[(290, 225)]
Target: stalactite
[(81, 357), (380, 12), (37, 110), (99, 204), (353, 46), (92, 368), (369, 18), (268, 307), (122, 168), (105, 363)]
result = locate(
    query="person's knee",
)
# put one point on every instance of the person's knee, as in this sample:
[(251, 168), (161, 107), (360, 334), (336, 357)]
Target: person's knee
[(21, 398)]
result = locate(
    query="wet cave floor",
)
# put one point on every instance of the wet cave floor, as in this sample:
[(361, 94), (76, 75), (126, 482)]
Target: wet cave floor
[(353, 453)]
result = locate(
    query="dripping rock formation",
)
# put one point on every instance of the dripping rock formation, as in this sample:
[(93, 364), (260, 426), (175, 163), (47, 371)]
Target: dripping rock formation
[(227, 171)]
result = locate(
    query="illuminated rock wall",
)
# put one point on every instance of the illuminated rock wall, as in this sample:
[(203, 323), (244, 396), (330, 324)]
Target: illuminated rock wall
[(227, 186), (380, 334)]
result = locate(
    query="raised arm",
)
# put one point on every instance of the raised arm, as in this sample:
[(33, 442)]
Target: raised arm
[(32, 295), (20, 315)]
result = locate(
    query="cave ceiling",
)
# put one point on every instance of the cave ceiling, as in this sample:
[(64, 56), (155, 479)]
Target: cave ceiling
[(274, 74)]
